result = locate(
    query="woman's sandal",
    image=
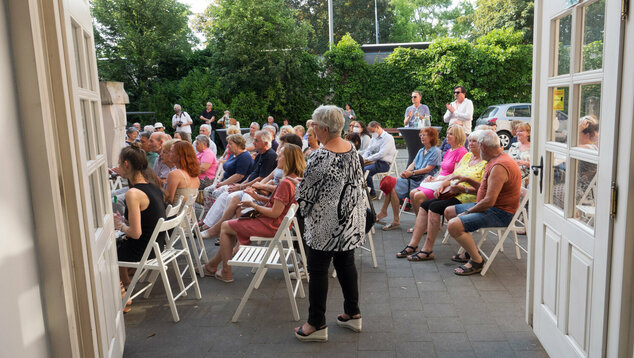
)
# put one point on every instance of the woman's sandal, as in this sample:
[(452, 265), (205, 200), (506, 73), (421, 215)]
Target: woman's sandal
[(417, 257), (320, 335), (404, 253), (352, 323), (466, 271), (457, 258)]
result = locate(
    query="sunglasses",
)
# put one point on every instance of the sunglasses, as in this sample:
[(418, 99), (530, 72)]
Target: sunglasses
[(414, 96), (457, 92)]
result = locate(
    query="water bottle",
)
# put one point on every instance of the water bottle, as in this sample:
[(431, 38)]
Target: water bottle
[(427, 121)]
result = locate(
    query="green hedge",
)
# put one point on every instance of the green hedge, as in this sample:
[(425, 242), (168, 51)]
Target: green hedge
[(495, 69)]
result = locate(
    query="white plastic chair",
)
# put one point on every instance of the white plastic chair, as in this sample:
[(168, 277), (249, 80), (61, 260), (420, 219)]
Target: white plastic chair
[(586, 205), (272, 256), (115, 184), (174, 208), (393, 170), (161, 261)]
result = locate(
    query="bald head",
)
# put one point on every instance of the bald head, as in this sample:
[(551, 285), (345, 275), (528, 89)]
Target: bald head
[(156, 141)]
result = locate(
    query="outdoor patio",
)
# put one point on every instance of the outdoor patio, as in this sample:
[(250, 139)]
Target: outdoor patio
[(417, 309)]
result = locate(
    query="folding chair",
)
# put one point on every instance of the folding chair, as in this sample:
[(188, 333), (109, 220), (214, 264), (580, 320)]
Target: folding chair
[(272, 256), (175, 208), (116, 184), (192, 231), (296, 236), (161, 261), (586, 205), (393, 170)]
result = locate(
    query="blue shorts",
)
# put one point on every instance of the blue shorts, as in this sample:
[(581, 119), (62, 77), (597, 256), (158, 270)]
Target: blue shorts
[(492, 217)]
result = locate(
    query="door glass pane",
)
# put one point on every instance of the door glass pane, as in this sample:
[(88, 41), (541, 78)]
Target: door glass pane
[(88, 47), (96, 194), (564, 33), (77, 50), (86, 128), (593, 25), (585, 191), (558, 180), (559, 115), (589, 112), (95, 126)]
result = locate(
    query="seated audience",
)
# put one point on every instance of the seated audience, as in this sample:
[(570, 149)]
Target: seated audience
[(456, 138), (425, 164), (274, 144), (206, 159), (360, 128), (182, 181), (300, 131), (132, 136), (588, 132), (249, 137), (270, 215), (287, 129), (145, 145), (205, 129), (355, 139), (313, 143), (497, 200), (157, 139), (166, 158), (454, 190), (379, 154), (149, 128)]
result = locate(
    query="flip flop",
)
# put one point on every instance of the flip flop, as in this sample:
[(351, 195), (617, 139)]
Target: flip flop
[(410, 230), (218, 275), (389, 227)]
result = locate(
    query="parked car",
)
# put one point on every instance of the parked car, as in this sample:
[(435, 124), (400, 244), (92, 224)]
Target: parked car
[(503, 115)]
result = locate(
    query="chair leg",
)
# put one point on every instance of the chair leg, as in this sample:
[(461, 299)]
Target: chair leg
[(152, 280), (300, 286), (289, 285), (192, 274), (194, 250), (372, 252), (517, 245), (247, 294), (168, 288), (499, 244), (446, 238), (179, 277)]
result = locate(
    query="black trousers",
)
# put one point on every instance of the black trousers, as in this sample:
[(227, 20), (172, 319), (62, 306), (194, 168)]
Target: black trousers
[(318, 264)]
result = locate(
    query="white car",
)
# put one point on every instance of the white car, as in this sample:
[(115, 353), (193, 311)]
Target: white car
[(503, 115)]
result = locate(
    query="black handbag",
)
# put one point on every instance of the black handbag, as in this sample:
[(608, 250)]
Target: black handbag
[(370, 214)]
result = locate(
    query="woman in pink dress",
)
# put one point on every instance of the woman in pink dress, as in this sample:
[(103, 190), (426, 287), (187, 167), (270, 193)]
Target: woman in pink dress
[(455, 138), (270, 215)]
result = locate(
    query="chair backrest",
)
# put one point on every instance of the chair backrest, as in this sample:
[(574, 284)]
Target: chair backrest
[(286, 223), (219, 173), (173, 209)]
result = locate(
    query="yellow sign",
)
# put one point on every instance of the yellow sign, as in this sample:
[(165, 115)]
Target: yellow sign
[(558, 100)]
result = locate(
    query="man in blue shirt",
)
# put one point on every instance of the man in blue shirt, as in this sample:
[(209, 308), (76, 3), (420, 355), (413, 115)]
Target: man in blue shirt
[(380, 153), (416, 112)]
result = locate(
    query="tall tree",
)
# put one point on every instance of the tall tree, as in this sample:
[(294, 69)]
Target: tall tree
[(139, 41), (497, 14)]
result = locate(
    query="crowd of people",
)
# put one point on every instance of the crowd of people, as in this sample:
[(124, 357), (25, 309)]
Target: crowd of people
[(473, 183)]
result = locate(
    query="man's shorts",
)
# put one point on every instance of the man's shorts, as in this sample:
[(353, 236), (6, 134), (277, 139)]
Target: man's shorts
[(492, 217)]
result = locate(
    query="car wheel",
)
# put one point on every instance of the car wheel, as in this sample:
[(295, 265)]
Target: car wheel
[(505, 139)]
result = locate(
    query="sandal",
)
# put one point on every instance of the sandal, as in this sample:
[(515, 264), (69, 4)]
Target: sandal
[(410, 230), (219, 276), (391, 226), (466, 271), (404, 253), (320, 335), (417, 257), (457, 257)]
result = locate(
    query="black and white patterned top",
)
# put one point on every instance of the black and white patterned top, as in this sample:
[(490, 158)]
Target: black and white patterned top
[(331, 200)]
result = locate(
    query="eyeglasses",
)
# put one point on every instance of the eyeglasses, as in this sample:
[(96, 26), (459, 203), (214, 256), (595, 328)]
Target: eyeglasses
[(414, 96), (457, 92)]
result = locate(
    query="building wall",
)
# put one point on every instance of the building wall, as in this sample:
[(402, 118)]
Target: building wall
[(22, 332)]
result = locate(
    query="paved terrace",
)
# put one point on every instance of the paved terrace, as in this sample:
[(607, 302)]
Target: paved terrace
[(410, 309)]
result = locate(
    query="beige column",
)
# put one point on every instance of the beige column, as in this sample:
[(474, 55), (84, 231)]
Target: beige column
[(113, 101)]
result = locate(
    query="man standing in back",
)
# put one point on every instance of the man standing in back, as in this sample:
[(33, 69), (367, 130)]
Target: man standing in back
[(460, 111)]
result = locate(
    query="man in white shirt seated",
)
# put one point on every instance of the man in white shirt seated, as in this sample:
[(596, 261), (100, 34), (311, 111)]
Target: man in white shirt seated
[(205, 129), (460, 111), (250, 137), (379, 154)]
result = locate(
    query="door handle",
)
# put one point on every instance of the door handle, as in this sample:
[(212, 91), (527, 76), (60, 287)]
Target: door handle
[(539, 170)]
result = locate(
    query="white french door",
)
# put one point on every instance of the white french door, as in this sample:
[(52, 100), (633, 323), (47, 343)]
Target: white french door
[(577, 51), (93, 187)]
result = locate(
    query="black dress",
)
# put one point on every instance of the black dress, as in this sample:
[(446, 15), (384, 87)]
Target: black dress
[(131, 249)]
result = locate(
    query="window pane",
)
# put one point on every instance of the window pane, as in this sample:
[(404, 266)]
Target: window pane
[(558, 180), (95, 126), (522, 111), (589, 112), (562, 62), (79, 72), (593, 26), (559, 115), (510, 112), (96, 194), (86, 128), (585, 191), (88, 47)]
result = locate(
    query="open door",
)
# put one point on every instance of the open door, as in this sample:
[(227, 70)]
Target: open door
[(94, 193), (577, 55)]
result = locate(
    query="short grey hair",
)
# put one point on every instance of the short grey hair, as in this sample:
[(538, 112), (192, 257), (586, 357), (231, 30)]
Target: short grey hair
[(179, 106), (148, 128), (131, 130), (331, 117), (489, 139), (265, 136), (475, 135), (289, 128), (256, 124), (203, 139), (206, 126), (146, 134)]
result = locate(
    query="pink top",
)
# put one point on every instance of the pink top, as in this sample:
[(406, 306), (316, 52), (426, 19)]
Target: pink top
[(207, 156), (452, 157)]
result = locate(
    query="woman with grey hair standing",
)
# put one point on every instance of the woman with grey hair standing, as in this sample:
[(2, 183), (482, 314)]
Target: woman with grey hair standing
[(331, 201)]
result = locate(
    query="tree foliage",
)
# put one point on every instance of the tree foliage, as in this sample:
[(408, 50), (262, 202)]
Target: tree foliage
[(140, 41), (497, 14)]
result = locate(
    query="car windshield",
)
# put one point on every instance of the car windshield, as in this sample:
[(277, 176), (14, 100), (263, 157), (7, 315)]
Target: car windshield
[(489, 112)]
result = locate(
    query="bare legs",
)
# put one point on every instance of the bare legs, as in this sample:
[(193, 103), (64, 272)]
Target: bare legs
[(433, 226), (464, 239), (228, 238), (229, 213), (417, 198), (392, 198)]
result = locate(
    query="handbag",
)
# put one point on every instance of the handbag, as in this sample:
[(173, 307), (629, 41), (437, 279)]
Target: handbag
[(446, 194), (249, 214), (370, 214)]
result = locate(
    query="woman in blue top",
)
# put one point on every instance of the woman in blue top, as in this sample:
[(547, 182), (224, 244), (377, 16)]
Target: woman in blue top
[(237, 168), (426, 162)]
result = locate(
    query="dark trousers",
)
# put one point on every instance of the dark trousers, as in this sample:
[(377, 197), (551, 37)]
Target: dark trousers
[(377, 167), (318, 264)]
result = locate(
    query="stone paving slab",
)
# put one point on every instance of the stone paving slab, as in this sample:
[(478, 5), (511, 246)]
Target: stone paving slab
[(410, 309)]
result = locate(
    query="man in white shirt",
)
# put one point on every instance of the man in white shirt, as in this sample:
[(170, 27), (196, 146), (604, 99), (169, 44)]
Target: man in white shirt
[(380, 153), (250, 137), (181, 121), (460, 111)]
